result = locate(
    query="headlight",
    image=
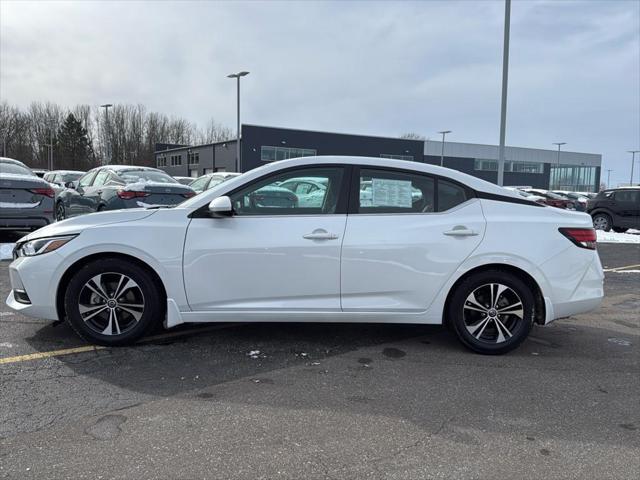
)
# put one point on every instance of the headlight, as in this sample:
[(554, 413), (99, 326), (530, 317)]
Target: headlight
[(41, 245)]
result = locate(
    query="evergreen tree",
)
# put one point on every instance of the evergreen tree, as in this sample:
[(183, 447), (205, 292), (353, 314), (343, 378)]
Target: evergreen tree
[(74, 149)]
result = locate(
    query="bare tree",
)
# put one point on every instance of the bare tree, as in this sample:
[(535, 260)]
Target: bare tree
[(413, 136)]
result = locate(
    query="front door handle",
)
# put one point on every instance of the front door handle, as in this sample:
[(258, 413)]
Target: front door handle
[(320, 234), (460, 231)]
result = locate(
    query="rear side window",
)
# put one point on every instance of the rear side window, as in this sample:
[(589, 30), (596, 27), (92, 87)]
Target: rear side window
[(387, 191), (630, 196), (86, 180), (450, 195)]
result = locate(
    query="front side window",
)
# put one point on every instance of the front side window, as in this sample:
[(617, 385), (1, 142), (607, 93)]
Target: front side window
[(86, 180), (386, 191), (271, 197), (101, 178)]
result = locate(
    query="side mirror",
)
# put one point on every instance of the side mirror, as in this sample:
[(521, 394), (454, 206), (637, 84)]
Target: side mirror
[(221, 207), (70, 185)]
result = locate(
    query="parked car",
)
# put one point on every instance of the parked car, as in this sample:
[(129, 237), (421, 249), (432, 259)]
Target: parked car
[(26, 201), (184, 180), (114, 187), (579, 200), (59, 178), (210, 180), (529, 196), (616, 209), (470, 254), (552, 199)]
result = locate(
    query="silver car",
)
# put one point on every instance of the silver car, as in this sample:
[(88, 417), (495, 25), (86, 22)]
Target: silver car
[(26, 201)]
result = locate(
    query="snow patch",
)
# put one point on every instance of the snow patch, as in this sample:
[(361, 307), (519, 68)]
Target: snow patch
[(6, 251), (613, 237)]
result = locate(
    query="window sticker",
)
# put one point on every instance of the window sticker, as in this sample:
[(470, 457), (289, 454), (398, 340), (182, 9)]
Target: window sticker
[(391, 193)]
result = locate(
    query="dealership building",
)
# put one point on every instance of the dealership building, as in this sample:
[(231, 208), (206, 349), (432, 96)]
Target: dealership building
[(538, 168)]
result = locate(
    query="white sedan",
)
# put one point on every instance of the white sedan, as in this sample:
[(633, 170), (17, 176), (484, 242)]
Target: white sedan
[(464, 252)]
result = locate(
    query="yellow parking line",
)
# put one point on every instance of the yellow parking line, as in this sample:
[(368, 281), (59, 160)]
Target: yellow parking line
[(52, 353), (94, 348)]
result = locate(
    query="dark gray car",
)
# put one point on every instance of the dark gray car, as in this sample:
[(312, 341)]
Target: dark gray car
[(26, 201), (113, 187)]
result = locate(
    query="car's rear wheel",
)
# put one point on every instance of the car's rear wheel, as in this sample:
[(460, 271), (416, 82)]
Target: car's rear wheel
[(602, 221), (492, 311), (113, 302), (61, 213), (620, 229)]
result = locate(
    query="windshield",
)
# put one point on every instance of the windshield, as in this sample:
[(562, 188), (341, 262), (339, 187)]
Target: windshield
[(138, 176), (15, 169)]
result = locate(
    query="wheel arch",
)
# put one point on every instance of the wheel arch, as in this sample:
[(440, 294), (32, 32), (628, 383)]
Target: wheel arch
[(78, 264), (539, 308)]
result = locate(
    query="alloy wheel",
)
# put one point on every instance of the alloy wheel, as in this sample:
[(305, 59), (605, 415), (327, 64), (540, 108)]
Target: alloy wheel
[(492, 313), (111, 303), (60, 213), (600, 222)]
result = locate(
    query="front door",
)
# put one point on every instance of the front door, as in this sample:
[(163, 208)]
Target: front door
[(406, 234), (273, 253)]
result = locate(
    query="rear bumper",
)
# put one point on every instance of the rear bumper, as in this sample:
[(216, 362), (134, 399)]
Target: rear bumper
[(24, 222), (586, 296)]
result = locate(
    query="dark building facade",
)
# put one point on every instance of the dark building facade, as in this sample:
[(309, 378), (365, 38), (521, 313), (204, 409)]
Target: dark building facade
[(536, 168)]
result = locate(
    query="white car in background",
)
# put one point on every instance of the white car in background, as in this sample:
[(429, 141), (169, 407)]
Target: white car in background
[(465, 252)]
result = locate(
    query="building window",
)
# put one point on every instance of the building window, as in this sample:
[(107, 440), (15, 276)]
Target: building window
[(161, 161), (509, 166), (176, 160), (193, 158), (397, 157), (271, 154), (573, 178)]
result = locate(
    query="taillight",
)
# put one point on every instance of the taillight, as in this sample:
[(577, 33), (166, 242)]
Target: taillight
[(129, 194), (189, 194), (46, 191), (582, 237)]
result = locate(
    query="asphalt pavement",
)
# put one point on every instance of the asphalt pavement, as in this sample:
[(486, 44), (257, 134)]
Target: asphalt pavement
[(326, 401)]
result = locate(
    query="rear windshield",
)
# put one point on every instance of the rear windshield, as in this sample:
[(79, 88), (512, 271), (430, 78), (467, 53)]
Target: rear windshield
[(137, 176), (15, 169)]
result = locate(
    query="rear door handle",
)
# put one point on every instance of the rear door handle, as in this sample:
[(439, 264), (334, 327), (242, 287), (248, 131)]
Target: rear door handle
[(320, 234), (460, 231)]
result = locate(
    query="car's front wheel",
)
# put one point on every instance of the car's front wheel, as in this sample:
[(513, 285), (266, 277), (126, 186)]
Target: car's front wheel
[(492, 312), (602, 221), (61, 213), (113, 302)]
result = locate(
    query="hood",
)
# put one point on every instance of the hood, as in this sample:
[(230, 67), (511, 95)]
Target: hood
[(78, 224)]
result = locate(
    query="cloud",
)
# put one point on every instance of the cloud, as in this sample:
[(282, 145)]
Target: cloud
[(378, 68)]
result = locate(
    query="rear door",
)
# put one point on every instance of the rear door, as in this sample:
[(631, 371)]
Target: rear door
[(406, 234), (93, 193), (626, 206)]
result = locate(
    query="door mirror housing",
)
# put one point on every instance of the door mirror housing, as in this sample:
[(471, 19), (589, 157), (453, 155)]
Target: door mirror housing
[(71, 185), (221, 207)]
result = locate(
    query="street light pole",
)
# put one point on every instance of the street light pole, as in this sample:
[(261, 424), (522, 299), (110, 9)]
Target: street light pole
[(559, 144), (505, 81), (237, 77), (608, 176), (443, 133), (633, 160), (106, 107)]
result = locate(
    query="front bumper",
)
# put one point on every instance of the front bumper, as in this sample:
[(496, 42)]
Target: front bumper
[(37, 278)]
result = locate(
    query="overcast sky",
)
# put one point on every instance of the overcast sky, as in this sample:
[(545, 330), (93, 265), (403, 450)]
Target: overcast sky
[(380, 68)]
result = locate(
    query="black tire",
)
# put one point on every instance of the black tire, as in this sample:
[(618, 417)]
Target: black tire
[(464, 317), (620, 229), (61, 213), (131, 323), (602, 221), (101, 208)]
